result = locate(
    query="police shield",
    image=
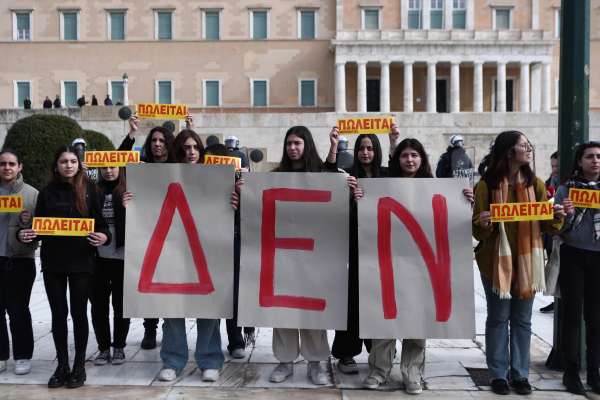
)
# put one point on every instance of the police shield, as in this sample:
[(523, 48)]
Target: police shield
[(461, 163)]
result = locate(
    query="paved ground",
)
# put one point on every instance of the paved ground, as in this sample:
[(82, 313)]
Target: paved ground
[(447, 368)]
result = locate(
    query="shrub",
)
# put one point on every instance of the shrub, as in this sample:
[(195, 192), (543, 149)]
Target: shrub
[(98, 141)]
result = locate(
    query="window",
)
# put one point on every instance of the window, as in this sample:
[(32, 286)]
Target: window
[(557, 19), (212, 26), (212, 92), (69, 93), (70, 25), (307, 24), (436, 19), (371, 19), (502, 19), (22, 90), (556, 91), (414, 14), (259, 24), (459, 14), (308, 92), (23, 26), (164, 25), (164, 92), (116, 91), (260, 92), (117, 26)]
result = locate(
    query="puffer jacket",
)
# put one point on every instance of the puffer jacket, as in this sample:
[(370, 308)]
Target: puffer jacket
[(30, 194)]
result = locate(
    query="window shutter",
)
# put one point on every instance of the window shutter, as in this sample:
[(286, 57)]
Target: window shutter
[(307, 21), (212, 93), (307, 93), (502, 19), (212, 25), (459, 19), (260, 93), (164, 92), (22, 92), (22, 21), (164, 25), (117, 92), (414, 19), (259, 25), (70, 26), (117, 26), (371, 19), (436, 19), (70, 94)]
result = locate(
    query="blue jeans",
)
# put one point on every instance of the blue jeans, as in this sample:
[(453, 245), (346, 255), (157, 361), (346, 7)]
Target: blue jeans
[(499, 313), (174, 351)]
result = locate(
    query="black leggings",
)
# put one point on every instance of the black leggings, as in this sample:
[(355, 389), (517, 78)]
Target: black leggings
[(79, 289)]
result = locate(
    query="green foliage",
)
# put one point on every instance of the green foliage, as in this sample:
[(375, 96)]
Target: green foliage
[(97, 140), (36, 138)]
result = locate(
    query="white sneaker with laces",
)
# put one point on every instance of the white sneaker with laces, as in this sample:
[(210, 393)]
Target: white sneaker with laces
[(167, 375), (210, 375), (23, 367), (413, 386), (282, 371), (3, 365), (316, 373)]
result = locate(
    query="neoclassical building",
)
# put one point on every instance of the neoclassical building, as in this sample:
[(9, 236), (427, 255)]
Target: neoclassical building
[(257, 56)]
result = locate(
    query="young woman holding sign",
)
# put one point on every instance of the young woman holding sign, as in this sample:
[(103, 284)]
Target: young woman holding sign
[(107, 279), (69, 259), (580, 270), (188, 148), (17, 265), (510, 259), (367, 164)]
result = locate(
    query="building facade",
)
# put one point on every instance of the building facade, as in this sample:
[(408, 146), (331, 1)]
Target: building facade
[(289, 56)]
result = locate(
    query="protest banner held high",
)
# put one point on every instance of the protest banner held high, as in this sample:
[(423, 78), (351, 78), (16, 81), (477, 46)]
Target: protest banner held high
[(167, 111), (111, 158), (356, 126)]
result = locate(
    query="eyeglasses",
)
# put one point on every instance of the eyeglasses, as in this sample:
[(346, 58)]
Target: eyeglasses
[(524, 146)]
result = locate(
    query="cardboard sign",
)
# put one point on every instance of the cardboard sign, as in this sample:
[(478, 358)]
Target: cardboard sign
[(585, 198), (111, 158), (11, 203), (522, 211), (356, 126), (179, 253), (167, 111), (63, 226), (415, 255), (295, 244), (223, 160)]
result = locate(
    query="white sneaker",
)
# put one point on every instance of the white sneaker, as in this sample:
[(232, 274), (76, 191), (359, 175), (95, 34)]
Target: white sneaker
[(282, 371), (210, 375), (238, 353), (316, 373), (3, 365), (413, 386), (23, 367), (167, 375)]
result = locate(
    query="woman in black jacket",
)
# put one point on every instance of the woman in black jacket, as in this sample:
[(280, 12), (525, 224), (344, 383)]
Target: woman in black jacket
[(108, 275), (69, 194)]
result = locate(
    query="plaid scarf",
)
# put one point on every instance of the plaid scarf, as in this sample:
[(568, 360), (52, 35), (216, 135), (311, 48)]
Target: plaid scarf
[(579, 182), (529, 276)]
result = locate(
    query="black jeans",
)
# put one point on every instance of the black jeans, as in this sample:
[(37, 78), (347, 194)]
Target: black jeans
[(106, 280), (234, 332), (16, 281), (79, 289), (579, 281)]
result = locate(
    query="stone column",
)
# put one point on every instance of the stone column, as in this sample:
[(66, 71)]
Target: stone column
[(426, 14), (408, 86), (478, 87), (431, 89), (455, 86), (524, 88), (501, 87), (536, 87), (384, 88), (125, 94), (546, 101), (361, 92), (340, 86)]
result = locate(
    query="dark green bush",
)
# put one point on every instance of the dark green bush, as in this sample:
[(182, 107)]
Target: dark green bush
[(36, 138), (97, 140)]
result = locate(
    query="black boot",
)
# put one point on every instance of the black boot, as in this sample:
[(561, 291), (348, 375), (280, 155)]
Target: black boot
[(78, 374), (63, 372), (572, 380), (149, 341), (593, 379)]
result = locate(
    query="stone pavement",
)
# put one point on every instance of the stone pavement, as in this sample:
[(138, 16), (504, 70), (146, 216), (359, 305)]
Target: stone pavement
[(453, 369)]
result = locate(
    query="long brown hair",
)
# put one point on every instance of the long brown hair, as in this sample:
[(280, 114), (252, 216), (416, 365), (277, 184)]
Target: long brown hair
[(179, 148), (357, 169), (169, 139), (80, 180), (424, 170), (499, 167), (575, 168), (312, 161), (121, 184)]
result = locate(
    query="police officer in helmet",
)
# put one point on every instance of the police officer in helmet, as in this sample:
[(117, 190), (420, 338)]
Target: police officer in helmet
[(455, 162), (232, 143)]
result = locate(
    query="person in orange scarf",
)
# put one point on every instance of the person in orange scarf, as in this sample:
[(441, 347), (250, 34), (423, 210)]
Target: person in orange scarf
[(510, 259)]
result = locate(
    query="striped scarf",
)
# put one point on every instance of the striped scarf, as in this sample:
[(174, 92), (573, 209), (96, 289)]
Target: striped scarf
[(529, 277), (579, 182)]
